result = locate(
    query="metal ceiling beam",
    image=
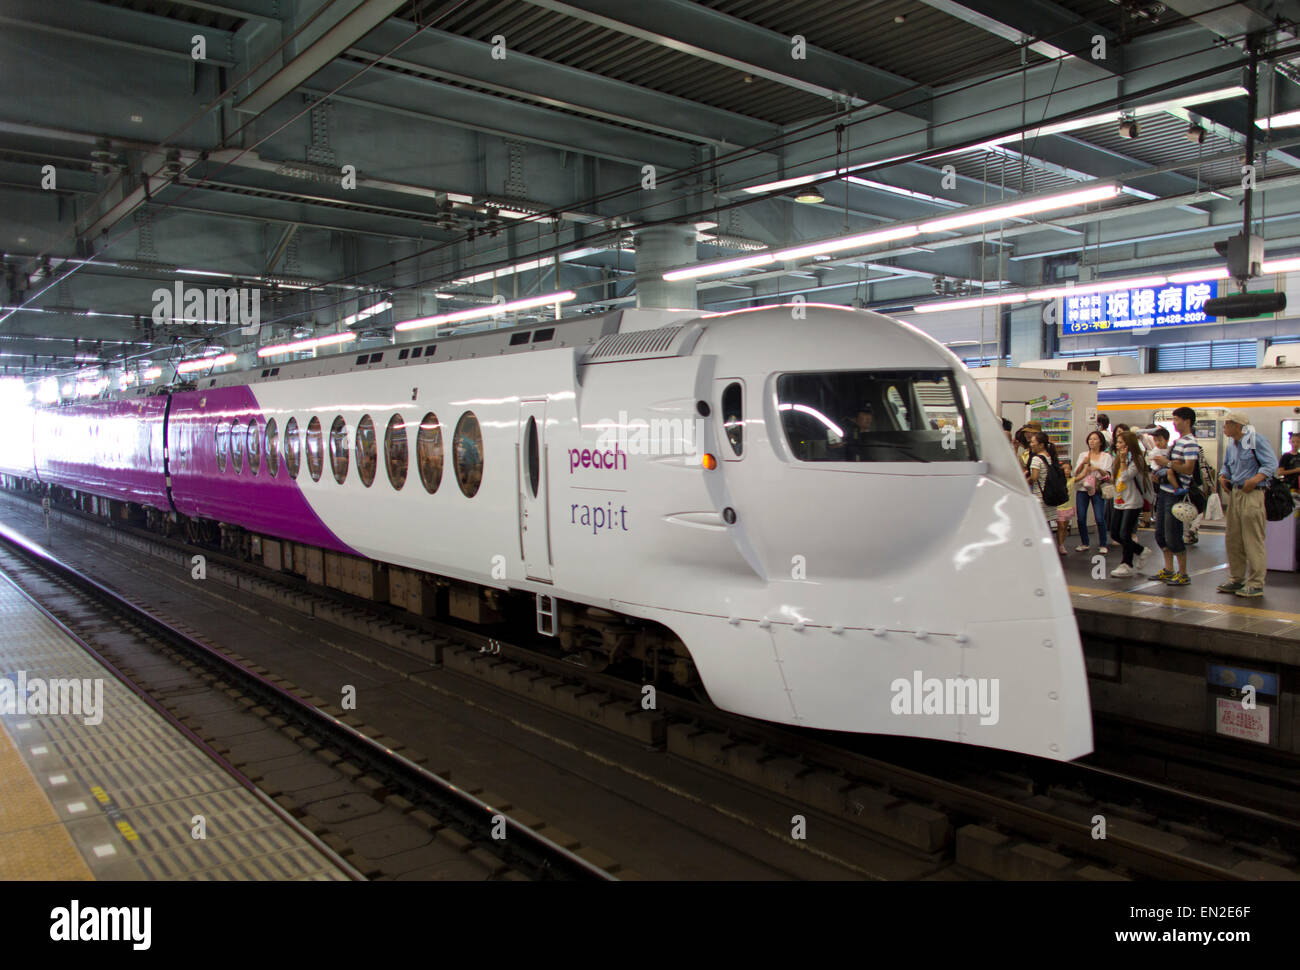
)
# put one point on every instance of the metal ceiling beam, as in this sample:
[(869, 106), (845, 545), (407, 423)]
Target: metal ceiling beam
[(690, 28), (1057, 31), (449, 57), (365, 17), (429, 100), (261, 10), (118, 27)]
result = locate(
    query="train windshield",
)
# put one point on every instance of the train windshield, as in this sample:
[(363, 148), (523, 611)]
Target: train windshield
[(890, 415)]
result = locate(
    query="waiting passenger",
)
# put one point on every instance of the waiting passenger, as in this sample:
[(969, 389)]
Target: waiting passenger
[(1065, 511), (1248, 463), (1182, 460), (1092, 469), (1158, 448), (1289, 464), (1006, 429), (1132, 487), (1103, 426), (1042, 457)]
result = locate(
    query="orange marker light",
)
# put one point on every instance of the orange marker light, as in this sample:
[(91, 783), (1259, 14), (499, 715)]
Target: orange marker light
[(709, 462)]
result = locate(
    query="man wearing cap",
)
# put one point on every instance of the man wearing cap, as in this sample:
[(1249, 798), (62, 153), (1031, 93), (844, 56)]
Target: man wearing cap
[(1248, 463)]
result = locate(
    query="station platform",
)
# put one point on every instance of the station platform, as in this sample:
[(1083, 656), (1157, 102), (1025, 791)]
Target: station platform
[(1196, 616), (106, 788), (1180, 656)]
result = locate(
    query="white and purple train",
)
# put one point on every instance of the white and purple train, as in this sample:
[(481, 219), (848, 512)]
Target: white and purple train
[(812, 510)]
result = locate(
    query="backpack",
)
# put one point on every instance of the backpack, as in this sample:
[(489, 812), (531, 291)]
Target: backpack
[(1197, 492), (1054, 490), (1278, 503)]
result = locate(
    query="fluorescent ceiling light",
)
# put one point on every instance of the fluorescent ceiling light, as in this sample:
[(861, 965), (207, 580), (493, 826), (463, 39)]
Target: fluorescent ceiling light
[(815, 177), (1285, 120), (1108, 286), (723, 266), (942, 305), (1108, 117), (1281, 265), (152, 373), (1027, 207), (459, 197), (1200, 276), (487, 310), (909, 193), (199, 363), (845, 242), (311, 343), (522, 267), (367, 313)]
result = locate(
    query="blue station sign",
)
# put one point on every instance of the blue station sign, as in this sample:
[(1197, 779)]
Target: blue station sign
[(1145, 308)]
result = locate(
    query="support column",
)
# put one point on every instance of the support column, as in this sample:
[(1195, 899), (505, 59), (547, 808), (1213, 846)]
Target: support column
[(660, 248), (1025, 333)]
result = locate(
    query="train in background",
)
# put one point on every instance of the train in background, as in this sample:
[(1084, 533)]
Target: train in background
[(815, 516), (1269, 394)]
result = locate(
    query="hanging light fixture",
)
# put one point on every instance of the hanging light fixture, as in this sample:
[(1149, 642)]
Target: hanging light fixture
[(810, 194)]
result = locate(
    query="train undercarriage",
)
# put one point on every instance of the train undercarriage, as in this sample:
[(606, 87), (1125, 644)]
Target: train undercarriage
[(594, 637)]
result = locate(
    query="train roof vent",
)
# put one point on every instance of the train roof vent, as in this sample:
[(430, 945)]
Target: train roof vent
[(641, 344)]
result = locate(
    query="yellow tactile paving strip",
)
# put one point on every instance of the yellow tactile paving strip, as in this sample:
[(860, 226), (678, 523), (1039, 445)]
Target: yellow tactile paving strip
[(33, 842), (1091, 592), (115, 799)]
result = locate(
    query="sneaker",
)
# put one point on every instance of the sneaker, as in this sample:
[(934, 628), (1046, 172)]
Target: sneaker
[(1251, 591), (1082, 548), (1178, 579), (1142, 557), (1230, 587), (1103, 549), (1121, 570), (1163, 575)]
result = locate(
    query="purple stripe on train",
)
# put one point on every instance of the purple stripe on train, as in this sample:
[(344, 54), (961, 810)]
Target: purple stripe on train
[(271, 505)]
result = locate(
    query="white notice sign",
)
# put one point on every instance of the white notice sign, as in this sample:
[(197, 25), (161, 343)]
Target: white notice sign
[(1231, 719)]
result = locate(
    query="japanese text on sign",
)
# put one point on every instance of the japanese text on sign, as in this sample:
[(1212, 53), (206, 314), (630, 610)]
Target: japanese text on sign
[(1174, 305)]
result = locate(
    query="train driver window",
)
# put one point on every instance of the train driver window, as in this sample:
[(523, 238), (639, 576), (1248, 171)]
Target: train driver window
[(428, 452), (236, 448), (292, 448), (467, 451), (396, 451), (339, 456), (733, 418), (315, 449), (367, 453), (222, 445), (874, 416), (254, 446), (272, 449)]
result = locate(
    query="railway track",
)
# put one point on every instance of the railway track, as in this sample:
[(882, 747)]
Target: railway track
[(994, 817), (379, 766)]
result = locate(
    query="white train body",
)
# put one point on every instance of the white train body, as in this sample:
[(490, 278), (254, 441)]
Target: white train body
[(906, 597)]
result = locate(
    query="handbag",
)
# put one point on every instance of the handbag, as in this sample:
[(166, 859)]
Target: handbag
[(1213, 508)]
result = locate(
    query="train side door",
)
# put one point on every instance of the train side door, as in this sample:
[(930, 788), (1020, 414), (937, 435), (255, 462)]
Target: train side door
[(534, 515)]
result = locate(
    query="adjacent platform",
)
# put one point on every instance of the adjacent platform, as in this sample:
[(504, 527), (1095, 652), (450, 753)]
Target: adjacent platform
[(118, 799), (1181, 656)]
